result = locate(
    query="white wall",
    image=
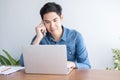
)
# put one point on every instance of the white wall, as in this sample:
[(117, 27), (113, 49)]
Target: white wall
[(97, 20)]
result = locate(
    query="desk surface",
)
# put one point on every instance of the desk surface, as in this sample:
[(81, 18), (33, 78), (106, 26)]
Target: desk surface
[(74, 75)]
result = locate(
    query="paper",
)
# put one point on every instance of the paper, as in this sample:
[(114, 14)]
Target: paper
[(9, 69)]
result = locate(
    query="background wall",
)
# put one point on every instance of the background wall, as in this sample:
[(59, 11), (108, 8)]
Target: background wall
[(97, 20)]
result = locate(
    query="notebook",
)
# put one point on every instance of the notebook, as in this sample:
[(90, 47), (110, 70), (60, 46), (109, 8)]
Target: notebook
[(45, 59)]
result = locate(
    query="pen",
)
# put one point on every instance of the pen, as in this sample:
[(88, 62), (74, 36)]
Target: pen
[(5, 69)]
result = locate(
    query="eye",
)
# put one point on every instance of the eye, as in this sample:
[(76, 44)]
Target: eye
[(55, 20)]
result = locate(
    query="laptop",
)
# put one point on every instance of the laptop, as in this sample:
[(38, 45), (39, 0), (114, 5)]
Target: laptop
[(45, 59)]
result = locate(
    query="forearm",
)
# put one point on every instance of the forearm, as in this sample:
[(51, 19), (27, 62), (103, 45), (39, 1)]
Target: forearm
[(37, 40), (82, 65)]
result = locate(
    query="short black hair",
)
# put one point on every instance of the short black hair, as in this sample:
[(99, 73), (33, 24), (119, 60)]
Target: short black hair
[(51, 7)]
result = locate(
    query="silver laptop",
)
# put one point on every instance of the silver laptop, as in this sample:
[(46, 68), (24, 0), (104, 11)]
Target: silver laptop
[(45, 59)]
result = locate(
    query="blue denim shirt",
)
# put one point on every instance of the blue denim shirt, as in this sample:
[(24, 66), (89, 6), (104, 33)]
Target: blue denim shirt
[(76, 49)]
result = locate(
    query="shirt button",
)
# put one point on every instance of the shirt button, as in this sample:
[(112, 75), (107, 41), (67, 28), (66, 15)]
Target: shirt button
[(70, 52)]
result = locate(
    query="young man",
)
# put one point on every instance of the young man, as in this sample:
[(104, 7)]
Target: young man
[(51, 31)]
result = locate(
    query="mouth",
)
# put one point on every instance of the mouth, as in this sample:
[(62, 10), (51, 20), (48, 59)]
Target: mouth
[(52, 30)]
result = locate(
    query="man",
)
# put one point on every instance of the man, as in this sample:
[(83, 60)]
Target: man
[(51, 31)]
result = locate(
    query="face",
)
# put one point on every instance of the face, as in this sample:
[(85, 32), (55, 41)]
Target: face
[(53, 22)]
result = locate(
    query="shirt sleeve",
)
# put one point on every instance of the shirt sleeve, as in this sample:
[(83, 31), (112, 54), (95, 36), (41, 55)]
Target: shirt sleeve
[(21, 60), (82, 60), (33, 40)]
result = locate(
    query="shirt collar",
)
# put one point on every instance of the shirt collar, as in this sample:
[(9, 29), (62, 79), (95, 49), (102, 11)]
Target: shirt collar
[(64, 33)]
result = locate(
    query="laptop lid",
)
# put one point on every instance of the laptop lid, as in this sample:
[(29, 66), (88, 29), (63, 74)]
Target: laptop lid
[(45, 59)]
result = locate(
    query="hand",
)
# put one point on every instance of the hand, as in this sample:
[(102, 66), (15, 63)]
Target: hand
[(40, 30), (40, 33), (70, 64)]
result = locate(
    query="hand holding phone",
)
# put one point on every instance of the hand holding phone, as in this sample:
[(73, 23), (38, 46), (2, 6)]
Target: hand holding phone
[(41, 30), (40, 33)]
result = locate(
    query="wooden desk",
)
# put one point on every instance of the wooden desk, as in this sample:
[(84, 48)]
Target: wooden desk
[(74, 75)]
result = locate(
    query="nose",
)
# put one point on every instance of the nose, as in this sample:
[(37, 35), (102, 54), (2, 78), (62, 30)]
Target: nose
[(52, 24)]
